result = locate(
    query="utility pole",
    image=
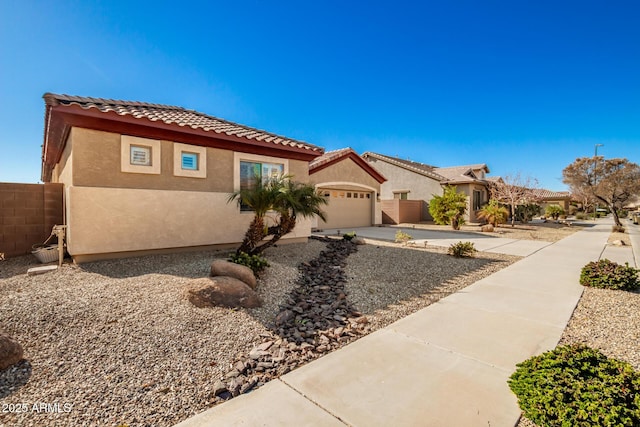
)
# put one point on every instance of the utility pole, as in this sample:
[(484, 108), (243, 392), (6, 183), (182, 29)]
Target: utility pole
[(595, 177)]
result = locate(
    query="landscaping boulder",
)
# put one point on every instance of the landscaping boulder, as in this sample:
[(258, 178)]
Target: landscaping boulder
[(10, 351), (221, 267), (487, 228), (221, 291)]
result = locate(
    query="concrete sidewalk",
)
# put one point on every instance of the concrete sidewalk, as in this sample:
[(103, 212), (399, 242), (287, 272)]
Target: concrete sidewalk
[(482, 242), (446, 365)]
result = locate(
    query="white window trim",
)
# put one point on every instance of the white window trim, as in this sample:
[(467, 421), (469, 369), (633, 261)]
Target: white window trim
[(178, 149), (126, 141)]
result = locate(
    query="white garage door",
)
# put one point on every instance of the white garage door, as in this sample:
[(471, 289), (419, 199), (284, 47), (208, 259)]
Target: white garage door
[(347, 208)]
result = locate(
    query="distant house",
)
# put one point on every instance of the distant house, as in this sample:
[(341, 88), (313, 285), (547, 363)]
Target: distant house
[(351, 187), (143, 178), (546, 197), (419, 182)]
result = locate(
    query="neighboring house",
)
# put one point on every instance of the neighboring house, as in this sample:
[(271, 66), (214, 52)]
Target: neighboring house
[(409, 180), (472, 181), (546, 197), (351, 187), (141, 178)]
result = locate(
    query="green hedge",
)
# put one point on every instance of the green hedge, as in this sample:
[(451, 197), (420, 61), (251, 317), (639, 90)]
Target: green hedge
[(610, 275), (577, 386)]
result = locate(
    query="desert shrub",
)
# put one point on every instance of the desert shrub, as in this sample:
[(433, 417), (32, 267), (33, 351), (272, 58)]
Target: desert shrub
[(349, 236), (617, 229), (402, 237), (581, 215), (462, 249), (254, 262), (623, 213), (449, 208), (525, 213), (494, 213), (609, 275), (577, 386), (554, 211)]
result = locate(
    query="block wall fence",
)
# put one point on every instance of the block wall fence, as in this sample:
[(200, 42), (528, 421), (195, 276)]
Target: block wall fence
[(28, 212)]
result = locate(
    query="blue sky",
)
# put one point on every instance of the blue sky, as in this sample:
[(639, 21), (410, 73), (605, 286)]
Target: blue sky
[(524, 86)]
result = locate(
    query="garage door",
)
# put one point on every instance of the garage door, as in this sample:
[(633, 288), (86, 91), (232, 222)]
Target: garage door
[(347, 208)]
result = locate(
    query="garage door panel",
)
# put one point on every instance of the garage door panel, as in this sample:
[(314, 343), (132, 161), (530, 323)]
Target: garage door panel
[(347, 212)]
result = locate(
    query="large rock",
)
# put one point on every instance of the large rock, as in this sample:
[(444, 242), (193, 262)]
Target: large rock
[(222, 267), (10, 351), (487, 228), (222, 291)]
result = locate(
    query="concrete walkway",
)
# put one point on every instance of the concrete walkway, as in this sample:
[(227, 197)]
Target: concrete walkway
[(482, 242), (446, 365)]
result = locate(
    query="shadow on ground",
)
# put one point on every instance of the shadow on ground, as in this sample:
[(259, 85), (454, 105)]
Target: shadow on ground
[(14, 377)]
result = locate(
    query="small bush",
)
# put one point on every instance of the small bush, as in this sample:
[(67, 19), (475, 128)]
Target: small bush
[(609, 275), (254, 262), (349, 236), (618, 229), (402, 237), (581, 215), (577, 386), (462, 249), (622, 213), (554, 211)]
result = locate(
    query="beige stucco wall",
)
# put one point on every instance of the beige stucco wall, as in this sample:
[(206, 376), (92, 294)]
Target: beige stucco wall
[(471, 215), (346, 170), (109, 220), (420, 187), (348, 175), (96, 163), (109, 211)]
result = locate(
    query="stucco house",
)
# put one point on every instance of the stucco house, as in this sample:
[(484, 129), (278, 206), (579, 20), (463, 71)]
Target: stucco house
[(548, 197), (352, 189), (418, 182), (142, 178)]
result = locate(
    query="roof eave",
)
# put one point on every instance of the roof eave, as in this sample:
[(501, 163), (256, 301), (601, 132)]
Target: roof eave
[(357, 159), (60, 118)]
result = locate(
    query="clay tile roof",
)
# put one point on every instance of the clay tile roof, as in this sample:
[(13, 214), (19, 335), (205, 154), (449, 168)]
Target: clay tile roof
[(329, 156), (177, 116), (541, 193), (420, 168), (335, 156)]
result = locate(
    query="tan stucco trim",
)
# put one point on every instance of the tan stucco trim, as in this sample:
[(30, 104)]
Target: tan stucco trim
[(126, 141), (178, 149)]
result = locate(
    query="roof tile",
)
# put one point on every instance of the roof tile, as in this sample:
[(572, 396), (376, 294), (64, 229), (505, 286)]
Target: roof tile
[(179, 116)]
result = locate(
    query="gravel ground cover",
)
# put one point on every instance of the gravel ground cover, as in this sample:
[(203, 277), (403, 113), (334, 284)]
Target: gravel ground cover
[(607, 320), (545, 231), (114, 342)]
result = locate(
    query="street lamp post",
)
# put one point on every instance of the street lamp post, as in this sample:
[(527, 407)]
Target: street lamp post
[(598, 145)]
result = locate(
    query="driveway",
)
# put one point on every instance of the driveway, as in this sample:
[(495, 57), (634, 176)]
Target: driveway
[(482, 242)]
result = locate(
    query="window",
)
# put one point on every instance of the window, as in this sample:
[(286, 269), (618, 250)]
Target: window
[(401, 195), (477, 200), (140, 155), (250, 172), (189, 161), (348, 195)]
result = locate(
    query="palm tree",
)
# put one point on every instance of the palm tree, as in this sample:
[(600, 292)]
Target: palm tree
[(287, 199), (493, 213), (259, 198)]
